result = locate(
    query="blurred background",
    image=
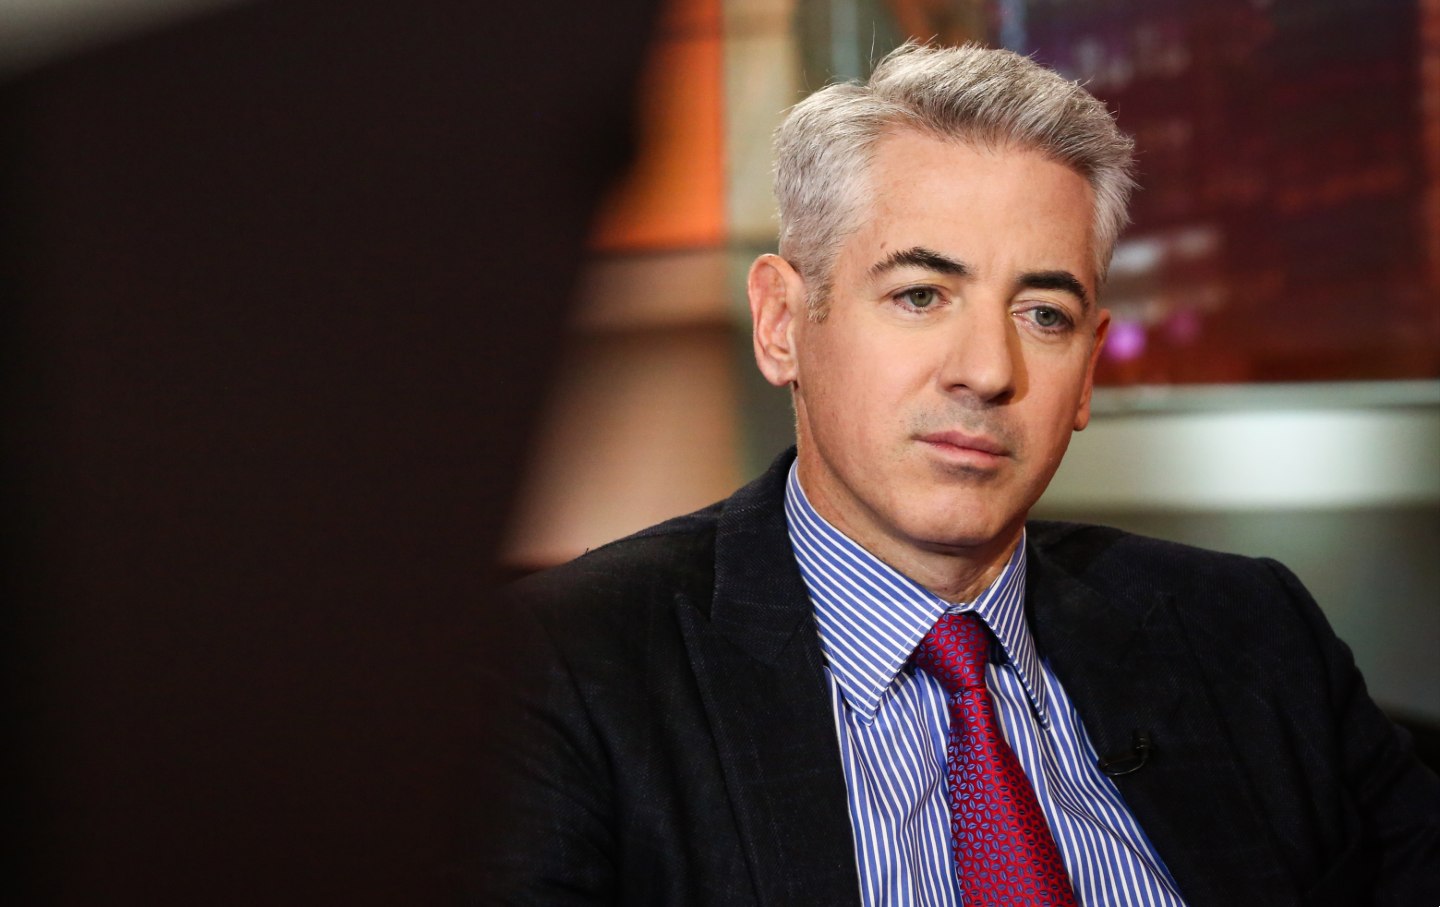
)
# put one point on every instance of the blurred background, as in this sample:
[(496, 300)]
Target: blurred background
[(1270, 381), (284, 286), (282, 283)]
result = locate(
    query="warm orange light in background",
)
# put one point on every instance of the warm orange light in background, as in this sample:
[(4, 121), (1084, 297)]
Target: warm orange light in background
[(644, 421), (674, 195)]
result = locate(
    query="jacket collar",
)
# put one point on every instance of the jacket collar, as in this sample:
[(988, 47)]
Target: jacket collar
[(756, 656)]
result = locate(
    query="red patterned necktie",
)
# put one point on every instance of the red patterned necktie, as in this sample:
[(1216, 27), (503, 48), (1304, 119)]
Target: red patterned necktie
[(1004, 852)]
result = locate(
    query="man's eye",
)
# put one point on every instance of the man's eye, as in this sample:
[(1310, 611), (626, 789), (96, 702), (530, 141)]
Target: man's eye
[(918, 297), (1049, 317)]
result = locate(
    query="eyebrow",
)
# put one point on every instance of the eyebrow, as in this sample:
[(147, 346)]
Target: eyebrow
[(920, 257), (1055, 280), (930, 260)]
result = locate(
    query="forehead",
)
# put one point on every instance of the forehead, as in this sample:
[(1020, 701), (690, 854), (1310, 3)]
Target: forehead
[(1001, 205)]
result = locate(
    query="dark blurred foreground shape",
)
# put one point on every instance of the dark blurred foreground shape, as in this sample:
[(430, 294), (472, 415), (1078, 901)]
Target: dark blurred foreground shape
[(281, 293)]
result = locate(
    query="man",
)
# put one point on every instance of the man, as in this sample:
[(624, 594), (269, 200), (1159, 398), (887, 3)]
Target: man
[(862, 679)]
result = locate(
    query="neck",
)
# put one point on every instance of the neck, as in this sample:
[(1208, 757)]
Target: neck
[(954, 574)]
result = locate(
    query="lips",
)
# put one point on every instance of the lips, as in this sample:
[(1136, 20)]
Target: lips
[(960, 442), (965, 451)]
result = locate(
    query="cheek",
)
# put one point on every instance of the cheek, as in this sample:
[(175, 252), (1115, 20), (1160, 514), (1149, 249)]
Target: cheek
[(861, 380), (844, 404), (893, 367), (879, 393), (1055, 414)]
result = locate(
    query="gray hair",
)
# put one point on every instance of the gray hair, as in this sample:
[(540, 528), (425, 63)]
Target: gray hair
[(993, 98)]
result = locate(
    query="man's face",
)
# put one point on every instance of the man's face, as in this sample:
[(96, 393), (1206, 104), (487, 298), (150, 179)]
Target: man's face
[(935, 400)]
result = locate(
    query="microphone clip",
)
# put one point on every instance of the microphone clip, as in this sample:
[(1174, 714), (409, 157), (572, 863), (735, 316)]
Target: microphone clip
[(1118, 764)]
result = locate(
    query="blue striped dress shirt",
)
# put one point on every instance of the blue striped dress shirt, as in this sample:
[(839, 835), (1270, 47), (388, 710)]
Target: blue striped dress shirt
[(892, 721)]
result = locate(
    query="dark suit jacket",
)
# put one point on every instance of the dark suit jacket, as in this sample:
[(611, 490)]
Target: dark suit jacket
[(676, 745)]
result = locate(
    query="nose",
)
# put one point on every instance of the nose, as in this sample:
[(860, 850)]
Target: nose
[(981, 357)]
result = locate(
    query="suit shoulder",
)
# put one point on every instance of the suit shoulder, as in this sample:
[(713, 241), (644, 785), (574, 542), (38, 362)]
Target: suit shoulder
[(1104, 556), (652, 564)]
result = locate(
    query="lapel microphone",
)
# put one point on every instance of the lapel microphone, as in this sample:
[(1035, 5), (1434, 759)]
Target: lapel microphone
[(1117, 764)]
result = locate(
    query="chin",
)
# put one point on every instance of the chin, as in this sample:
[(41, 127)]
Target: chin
[(943, 532)]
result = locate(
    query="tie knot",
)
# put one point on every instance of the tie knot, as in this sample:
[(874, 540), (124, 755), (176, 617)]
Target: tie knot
[(955, 652)]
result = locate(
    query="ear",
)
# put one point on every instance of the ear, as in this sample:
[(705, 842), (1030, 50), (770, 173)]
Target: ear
[(777, 303), (1102, 326)]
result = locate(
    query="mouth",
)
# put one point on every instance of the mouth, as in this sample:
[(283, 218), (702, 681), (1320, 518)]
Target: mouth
[(965, 449)]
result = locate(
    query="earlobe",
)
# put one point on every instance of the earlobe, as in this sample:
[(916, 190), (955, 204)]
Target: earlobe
[(776, 291), (1102, 325)]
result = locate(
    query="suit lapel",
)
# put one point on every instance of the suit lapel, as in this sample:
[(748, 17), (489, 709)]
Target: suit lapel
[(1127, 665), (756, 655)]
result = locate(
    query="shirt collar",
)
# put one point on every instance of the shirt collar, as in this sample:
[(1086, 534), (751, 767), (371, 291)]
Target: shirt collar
[(871, 617)]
